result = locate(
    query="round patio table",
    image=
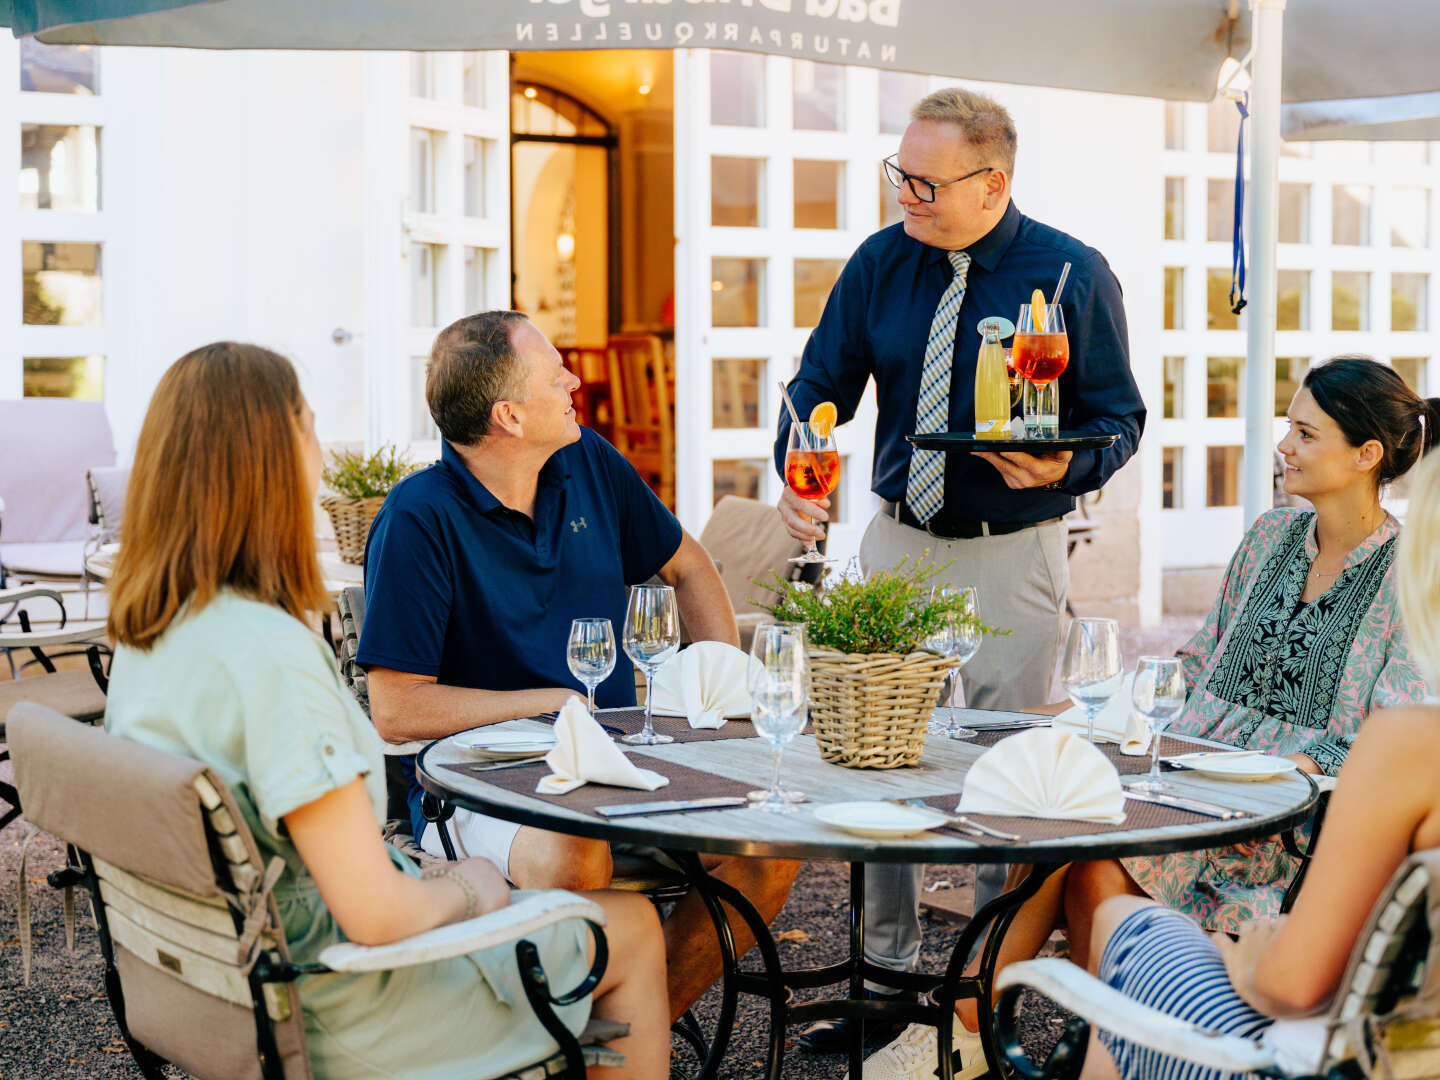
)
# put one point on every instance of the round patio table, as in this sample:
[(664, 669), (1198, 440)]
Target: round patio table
[(727, 766)]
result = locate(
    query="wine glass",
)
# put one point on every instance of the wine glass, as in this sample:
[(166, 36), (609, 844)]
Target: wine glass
[(651, 636), (1041, 353), (812, 469), (779, 683), (1092, 670), (591, 654), (1158, 695), (958, 637)]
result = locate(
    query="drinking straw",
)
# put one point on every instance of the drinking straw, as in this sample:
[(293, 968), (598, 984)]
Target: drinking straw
[(1064, 273), (790, 405)]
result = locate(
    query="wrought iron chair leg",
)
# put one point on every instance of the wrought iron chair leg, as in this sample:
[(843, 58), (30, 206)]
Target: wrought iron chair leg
[(1065, 1060)]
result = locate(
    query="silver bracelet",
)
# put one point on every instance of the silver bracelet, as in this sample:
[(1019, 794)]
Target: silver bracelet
[(472, 898)]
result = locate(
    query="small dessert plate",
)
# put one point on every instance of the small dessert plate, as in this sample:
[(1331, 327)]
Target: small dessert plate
[(1242, 767), (505, 744), (879, 820)]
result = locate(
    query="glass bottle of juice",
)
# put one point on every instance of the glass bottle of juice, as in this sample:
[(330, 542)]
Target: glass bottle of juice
[(992, 386)]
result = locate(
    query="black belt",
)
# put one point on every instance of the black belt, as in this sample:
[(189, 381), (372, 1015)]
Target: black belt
[(956, 530)]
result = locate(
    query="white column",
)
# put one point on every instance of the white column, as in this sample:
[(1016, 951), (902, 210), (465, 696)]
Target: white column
[(1267, 24)]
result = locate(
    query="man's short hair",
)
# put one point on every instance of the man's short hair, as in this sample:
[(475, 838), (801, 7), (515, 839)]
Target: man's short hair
[(473, 364), (985, 123)]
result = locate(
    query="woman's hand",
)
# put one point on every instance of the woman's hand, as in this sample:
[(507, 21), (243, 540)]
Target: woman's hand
[(1249, 848)]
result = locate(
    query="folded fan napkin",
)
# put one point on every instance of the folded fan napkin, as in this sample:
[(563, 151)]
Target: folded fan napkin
[(584, 754), (1116, 722), (1044, 773), (704, 683)]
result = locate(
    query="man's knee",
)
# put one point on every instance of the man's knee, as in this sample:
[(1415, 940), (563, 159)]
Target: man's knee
[(1092, 883), (544, 860), (1108, 916)]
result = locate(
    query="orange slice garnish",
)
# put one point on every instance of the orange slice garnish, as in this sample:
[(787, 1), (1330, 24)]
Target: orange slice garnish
[(1037, 312), (822, 419)]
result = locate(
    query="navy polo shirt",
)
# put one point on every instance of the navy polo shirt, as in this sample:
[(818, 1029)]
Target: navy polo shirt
[(461, 587)]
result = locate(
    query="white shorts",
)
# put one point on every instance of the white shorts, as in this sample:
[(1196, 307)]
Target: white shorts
[(475, 836)]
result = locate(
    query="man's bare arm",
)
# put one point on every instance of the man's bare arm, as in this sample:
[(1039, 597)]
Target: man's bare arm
[(406, 706), (704, 603)]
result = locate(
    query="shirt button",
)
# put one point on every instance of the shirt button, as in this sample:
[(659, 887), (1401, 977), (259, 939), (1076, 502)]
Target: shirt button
[(329, 749)]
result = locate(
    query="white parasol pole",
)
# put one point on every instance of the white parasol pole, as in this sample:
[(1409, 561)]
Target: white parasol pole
[(1267, 19)]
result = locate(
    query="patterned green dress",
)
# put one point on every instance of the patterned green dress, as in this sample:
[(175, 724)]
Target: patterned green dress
[(1271, 673)]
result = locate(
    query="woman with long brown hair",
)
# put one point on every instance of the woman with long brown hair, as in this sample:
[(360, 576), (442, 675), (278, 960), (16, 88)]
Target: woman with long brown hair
[(214, 661)]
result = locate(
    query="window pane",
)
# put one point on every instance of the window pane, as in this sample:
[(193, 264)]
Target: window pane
[(1222, 126), (58, 69), (735, 186), (1292, 300), (1219, 209), (1174, 125), (1172, 478), (59, 167), (1174, 208), (422, 425), (1343, 150), (422, 75), (1174, 298), (1410, 217), (1350, 214), (819, 194), (818, 96), (740, 476), (1289, 373), (1412, 370), (890, 209), (1409, 294), (424, 145), (1413, 153), (1174, 387), (1294, 223), (475, 154), (1222, 475), (61, 284), (1297, 149), (737, 89), (425, 284), (1218, 315), (1349, 300), (473, 79), (477, 273), (898, 94), (1222, 385), (80, 377), (735, 400), (736, 288), (814, 278)]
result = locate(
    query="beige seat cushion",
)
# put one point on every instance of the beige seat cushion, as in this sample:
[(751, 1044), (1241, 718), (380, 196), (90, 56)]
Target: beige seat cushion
[(71, 693), (748, 540)]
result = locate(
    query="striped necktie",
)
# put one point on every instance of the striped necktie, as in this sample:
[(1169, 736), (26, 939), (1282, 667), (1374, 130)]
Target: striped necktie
[(925, 489)]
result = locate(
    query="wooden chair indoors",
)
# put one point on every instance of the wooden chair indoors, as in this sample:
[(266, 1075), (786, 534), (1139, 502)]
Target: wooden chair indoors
[(642, 409)]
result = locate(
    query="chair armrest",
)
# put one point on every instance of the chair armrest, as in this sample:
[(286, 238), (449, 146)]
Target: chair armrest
[(1077, 990), (31, 592), (444, 942), (405, 749), (39, 639)]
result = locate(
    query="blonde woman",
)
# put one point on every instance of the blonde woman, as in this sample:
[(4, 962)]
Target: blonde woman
[(214, 661)]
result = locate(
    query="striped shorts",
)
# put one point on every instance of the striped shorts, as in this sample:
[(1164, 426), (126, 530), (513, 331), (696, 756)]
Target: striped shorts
[(1160, 958)]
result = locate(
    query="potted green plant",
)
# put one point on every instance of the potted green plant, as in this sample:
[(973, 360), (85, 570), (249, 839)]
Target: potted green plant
[(360, 484), (873, 682)]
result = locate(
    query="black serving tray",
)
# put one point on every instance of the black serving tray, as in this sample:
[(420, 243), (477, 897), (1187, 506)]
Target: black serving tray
[(968, 442)]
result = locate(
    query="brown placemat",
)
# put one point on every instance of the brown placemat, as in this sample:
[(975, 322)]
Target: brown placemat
[(1138, 815), (685, 783), (629, 721), (1125, 764)]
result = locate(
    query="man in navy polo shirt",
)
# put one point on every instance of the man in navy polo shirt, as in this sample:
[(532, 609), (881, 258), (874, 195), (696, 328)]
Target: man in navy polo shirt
[(475, 568)]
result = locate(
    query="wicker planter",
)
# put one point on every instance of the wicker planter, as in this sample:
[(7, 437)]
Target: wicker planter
[(351, 520), (871, 711)]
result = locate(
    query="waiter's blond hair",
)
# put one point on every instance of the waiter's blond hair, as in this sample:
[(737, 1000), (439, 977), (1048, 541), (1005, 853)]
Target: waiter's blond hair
[(1419, 564), (985, 123)]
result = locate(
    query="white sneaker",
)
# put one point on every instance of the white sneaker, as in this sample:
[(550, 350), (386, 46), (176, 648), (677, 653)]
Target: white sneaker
[(912, 1055)]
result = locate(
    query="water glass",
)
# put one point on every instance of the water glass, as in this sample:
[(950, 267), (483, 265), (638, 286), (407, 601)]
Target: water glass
[(651, 637), (1092, 671), (957, 637), (1158, 695), (779, 685), (590, 653)]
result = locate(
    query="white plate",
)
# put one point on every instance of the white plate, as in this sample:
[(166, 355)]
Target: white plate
[(1242, 767), (506, 744), (880, 820)]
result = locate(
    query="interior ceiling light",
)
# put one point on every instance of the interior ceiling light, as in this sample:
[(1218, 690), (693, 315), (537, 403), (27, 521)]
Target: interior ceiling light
[(643, 88), (530, 91)]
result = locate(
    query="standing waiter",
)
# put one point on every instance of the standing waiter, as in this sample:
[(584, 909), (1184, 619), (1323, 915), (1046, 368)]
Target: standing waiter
[(905, 312)]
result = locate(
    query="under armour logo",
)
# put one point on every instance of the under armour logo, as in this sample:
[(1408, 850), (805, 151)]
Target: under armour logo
[(576, 526)]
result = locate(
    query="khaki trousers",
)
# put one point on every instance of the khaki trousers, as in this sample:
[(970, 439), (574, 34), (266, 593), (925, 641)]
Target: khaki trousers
[(1020, 582)]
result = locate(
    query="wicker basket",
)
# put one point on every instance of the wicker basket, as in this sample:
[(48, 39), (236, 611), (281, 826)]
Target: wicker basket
[(871, 710), (351, 520)]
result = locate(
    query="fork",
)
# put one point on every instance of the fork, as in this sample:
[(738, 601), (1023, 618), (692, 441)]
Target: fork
[(959, 821)]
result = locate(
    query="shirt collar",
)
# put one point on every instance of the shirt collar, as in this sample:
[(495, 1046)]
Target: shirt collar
[(553, 473), (990, 248), (1387, 530)]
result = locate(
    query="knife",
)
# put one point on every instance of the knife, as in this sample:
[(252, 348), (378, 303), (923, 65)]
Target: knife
[(717, 802), (495, 766), (1194, 806)]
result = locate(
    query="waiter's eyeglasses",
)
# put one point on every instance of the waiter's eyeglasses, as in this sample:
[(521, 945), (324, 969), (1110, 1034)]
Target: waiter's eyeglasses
[(922, 189)]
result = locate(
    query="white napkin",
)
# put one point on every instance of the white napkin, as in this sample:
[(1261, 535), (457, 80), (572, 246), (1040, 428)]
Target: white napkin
[(704, 683), (1117, 722), (584, 754), (1044, 773)]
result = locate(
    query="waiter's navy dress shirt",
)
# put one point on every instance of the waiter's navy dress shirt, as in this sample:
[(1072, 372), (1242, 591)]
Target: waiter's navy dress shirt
[(461, 587), (877, 323)]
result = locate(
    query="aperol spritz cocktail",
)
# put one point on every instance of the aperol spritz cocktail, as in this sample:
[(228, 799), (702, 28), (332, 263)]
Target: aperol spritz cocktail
[(1041, 353), (812, 471)]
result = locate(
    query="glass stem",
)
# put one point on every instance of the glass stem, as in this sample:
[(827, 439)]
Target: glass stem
[(590, 697), (950, 704), (1090, 713), (1154, 756), (649, 680), (778, 748)]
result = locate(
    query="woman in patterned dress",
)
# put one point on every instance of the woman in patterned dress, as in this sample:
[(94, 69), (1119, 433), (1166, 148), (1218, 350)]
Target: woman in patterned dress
[(1303, 642)]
